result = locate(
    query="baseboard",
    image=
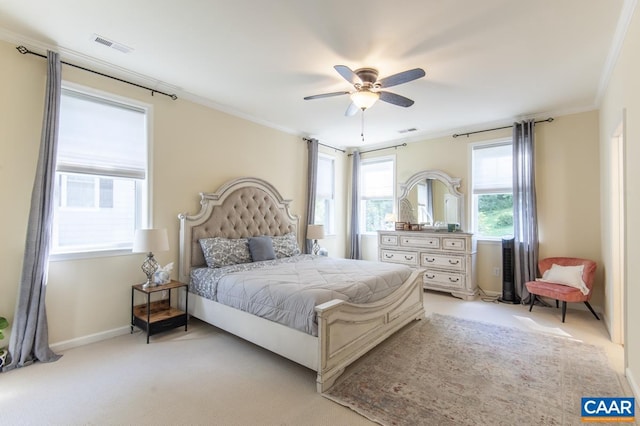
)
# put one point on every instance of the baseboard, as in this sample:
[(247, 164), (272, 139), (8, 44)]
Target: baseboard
[(91, 338), (633, 384)]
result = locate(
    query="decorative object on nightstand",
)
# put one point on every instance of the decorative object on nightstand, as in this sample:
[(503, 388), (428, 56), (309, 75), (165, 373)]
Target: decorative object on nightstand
[(315, 233), (148, 241)]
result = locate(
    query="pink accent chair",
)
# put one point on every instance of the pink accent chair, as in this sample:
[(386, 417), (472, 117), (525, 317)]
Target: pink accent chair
[(560, 291)]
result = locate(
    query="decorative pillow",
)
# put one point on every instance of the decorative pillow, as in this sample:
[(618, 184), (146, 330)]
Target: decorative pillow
[(261, 248), (220, 252), (567, 275), (286, 245)]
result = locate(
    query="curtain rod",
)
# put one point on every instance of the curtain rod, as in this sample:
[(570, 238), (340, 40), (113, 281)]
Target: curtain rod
[(380, 149), (328, 146), (24, 51), (548, 120)]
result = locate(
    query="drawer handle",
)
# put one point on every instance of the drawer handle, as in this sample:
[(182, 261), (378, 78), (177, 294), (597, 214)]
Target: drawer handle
[(454, 280), (431, 242), (408, 258), (429, 276), (433, 259), (454, 262), (388, 256)]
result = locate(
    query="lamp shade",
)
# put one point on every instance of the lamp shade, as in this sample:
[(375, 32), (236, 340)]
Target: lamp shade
[(364, 98), (150, 240), (315, 232)]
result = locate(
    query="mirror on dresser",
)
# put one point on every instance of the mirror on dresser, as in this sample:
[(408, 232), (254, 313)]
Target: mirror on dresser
[(431, 197)]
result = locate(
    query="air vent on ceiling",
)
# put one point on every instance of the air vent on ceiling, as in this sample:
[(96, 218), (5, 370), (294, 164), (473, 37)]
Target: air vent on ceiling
[(112, 44), (412, 129)]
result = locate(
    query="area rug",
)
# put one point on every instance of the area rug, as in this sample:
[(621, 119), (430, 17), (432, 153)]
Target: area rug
[(449, 371)]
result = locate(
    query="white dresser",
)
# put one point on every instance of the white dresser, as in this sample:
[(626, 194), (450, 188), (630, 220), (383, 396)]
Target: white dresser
[(448, 258)]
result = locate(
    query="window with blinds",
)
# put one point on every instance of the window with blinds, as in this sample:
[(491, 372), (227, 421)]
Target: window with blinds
[(325, 194), (101, 174), (492, 189), (377, 183)]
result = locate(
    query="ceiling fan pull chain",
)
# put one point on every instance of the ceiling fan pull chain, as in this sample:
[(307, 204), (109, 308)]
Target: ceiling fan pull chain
[(362, 131)]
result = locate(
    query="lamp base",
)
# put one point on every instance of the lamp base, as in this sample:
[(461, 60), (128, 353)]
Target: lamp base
[(316, 247), (149, 267)]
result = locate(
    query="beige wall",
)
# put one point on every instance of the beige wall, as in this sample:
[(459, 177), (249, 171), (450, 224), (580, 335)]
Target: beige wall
[(195, 149), (623, 96)]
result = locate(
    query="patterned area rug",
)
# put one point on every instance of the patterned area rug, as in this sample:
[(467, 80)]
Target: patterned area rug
[(449, 371)]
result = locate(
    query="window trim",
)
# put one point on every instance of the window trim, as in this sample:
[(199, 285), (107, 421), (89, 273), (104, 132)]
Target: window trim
[(472, 215), (146, 216), (394, 202)]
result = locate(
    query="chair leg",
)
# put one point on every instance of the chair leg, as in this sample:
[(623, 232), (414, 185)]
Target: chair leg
[(532, 299), (564, 309), (592, 311), (557, 304)]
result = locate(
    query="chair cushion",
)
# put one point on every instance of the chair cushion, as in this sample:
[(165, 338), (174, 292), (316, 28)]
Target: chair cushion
[(556, 291)]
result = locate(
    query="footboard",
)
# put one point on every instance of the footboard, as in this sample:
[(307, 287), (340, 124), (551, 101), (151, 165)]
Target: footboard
[(347, 331)]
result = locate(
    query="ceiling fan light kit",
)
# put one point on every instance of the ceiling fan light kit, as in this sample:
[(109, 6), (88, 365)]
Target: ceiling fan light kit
[(367, 87), (364, 98)]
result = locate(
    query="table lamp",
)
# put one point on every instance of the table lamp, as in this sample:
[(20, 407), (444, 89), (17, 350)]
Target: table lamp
[(315, 233), (148, 241)]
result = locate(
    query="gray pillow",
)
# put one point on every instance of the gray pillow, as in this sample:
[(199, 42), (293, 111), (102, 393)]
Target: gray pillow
[(261, 248), (286, 245), (219, 252)]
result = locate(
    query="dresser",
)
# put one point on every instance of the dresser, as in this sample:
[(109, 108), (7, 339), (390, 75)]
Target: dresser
[(448, 258)]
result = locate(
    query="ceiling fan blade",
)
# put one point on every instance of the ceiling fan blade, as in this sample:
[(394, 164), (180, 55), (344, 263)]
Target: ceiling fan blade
[(347, 74), (402, 77), (325, 95), (395, 99), (352, 110)]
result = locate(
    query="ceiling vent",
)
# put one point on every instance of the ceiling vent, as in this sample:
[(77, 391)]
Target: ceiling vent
[(112, 44)]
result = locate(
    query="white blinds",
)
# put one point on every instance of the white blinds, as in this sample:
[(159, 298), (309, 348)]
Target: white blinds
[(324, 183), (492, 168), (376, 179), (103, 137)]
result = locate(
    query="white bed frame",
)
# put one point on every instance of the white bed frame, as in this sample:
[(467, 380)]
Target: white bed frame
[(345, 331)]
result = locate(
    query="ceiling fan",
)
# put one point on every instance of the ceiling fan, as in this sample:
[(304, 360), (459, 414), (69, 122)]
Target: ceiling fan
[(367, 87)]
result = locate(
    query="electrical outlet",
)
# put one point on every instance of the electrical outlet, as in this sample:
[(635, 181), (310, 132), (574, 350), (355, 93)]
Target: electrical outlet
[(496, 271)]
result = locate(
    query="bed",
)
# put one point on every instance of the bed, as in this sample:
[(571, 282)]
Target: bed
[(338, 331)]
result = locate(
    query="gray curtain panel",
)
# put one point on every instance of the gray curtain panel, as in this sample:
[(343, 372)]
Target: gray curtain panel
[(312, 177), (29, 340), (525, 215), (354, 235)]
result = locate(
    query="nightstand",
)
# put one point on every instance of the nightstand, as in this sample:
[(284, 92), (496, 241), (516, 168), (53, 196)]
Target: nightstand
[(154, 317)]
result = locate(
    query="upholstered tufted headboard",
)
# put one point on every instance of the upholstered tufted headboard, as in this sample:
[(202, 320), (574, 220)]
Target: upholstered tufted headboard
[(244, 207)]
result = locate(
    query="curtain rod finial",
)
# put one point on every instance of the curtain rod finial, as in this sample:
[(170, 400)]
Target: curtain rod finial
[(22, 50)]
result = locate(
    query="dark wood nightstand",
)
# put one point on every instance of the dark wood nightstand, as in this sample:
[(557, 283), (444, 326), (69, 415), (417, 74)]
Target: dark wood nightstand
[(154, 317)]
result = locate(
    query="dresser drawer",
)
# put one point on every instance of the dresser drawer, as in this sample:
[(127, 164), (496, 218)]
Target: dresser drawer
[(454, 244), (420, 241), (389, 240), (444, 279), (404, 257), (453, 263)]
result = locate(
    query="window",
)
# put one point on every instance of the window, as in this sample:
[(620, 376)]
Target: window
[(101, 174), (492, 189), (376, 193), (325, 194)]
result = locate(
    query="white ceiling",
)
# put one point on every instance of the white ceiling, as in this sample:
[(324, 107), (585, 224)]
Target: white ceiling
[(487, 62)]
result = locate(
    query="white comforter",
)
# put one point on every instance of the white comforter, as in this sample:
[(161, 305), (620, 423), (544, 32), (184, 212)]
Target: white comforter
[(288, 290)]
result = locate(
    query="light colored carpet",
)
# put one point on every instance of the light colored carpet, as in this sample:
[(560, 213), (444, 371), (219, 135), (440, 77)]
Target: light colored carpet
[(449, 371)]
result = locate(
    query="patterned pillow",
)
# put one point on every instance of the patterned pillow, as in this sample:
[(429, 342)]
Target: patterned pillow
[(286, 245), (220, 252)]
